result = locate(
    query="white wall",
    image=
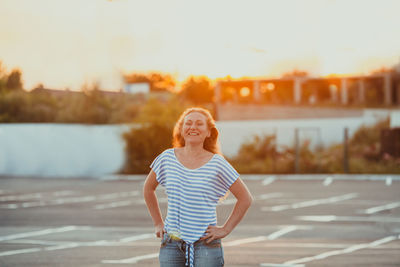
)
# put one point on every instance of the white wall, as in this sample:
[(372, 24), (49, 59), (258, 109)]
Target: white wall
[(79, 150), (60, 149)]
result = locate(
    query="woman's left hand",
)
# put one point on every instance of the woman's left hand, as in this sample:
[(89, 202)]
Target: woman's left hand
[(214, 232)]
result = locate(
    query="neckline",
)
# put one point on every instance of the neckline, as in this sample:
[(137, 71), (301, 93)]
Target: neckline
[(180, 163)]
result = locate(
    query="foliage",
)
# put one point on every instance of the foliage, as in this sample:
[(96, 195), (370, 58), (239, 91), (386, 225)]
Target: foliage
[(151, 135), (158, 81), (197, 90), (260, 155), (14, 80), (91, 106)]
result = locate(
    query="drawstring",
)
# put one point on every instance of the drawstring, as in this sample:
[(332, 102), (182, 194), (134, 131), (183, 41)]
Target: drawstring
[(189, 254), (189, 250)]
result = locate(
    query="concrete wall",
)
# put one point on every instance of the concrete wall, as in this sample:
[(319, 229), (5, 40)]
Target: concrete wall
[(60, 149), (79, 150)]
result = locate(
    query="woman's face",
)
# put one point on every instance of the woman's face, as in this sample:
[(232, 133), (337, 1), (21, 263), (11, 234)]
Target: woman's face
[(195, 128)]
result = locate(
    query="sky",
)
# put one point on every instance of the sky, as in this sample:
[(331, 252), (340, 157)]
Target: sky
[(66, 43)]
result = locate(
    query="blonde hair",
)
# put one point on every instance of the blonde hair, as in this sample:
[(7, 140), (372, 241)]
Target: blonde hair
[(211, 143)]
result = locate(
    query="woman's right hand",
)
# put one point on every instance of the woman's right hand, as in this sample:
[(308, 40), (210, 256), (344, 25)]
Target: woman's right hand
[(159, 229)]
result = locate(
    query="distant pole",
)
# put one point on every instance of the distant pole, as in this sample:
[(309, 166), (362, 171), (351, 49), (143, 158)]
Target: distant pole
[(297, 148), (275, 150), (346, 150)]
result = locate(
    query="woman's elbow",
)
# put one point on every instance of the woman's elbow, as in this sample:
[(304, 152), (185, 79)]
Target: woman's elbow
[(250, 200), (247, 201)]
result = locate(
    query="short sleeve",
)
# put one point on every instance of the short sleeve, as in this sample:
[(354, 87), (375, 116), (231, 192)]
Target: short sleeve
[(227, 175), (158, 167)]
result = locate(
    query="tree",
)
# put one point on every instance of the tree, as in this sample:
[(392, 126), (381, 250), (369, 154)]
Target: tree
[(14, 81), (158, 81), (152, 134), (198, 90)]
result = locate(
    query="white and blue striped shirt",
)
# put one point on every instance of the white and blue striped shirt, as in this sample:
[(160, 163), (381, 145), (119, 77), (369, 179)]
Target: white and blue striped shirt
[(193, 195)]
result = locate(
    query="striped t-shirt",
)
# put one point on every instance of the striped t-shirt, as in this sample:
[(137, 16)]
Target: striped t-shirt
[(193, 195)]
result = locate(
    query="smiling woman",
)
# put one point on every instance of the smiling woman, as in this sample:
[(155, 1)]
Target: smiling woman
[(195, 176)]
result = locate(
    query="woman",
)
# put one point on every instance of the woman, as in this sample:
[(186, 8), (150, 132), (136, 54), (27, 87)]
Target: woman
[(196, 177)]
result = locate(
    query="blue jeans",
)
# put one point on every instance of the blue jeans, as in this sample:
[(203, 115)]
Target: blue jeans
[(172, 253)]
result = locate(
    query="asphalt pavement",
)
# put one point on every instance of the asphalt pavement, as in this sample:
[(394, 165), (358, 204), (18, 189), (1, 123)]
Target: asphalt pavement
[(295, 220)]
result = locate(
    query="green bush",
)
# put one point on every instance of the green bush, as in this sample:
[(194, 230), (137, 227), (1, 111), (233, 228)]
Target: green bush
[(152, 135), (261, 156)]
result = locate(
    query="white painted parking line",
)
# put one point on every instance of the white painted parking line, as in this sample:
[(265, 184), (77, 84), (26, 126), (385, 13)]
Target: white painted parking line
[(331, 218), (281, 265), (260, 197), (136, 238), (245, 241), (70, 200), (388, 181), (35, 195), (328, 180), (36, 242), (21, 197), (344, 251), (268, 180), (113, 205), (268, 196), (64, 246), (382, 208), (63, 193), (272, 236), (19, 251), (311, 203), (132, 260), (38, 233), (282, 232)]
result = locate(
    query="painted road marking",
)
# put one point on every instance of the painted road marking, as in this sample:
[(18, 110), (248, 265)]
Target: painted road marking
[(282, 232), (281, 265), (35, 242), (272, 236), (260, 197), (66, 245), (136, 238), (344, 251), (132, 260), (35, 195), (382, 208), (268, 180), (38, 233), (113, 205), (21, 197), (268, 196), (120, 242), (311, 203), (388, 181), (19, 251), (331, 218), (63, 193), (69, 200), (328, 180)]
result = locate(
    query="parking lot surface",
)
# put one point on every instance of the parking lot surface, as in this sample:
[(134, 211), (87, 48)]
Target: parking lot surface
[(305, 220)]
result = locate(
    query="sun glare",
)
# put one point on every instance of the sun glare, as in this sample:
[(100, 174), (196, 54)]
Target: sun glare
[(319, 37), (244, 92)]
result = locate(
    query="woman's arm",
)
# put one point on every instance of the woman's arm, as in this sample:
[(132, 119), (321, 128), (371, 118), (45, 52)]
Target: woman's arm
[(244, 200), (150, 198)]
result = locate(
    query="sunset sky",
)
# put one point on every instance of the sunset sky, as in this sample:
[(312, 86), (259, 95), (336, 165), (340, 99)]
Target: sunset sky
[(64, 44)]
